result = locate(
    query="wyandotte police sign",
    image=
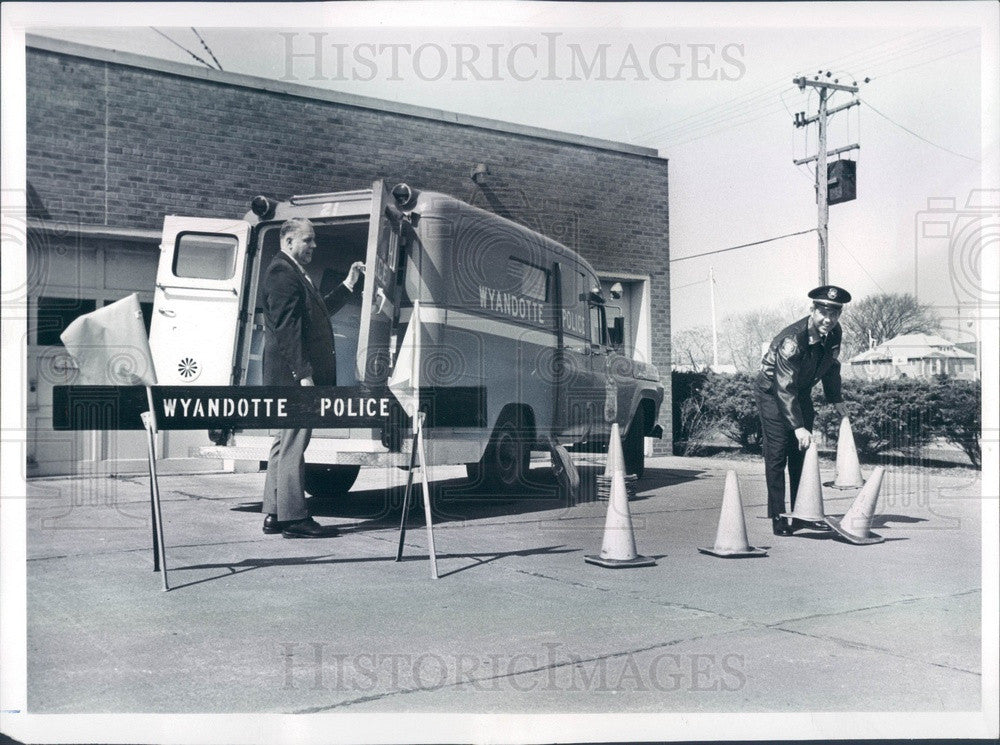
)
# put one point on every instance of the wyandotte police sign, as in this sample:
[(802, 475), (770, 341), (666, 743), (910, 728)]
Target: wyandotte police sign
[(78, 407)]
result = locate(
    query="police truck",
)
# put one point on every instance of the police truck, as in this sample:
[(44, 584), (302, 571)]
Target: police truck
[(502, 309)]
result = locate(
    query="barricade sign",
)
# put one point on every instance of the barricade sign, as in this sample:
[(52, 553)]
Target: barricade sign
[(97, 407)]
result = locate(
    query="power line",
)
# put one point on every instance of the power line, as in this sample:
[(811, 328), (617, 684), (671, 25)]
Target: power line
[(181, 46), (763, 91), (693, 134), (203, 44), (926, 62), (874, 281), (689, 284), (744, 245), (919, 137), (734, 108)]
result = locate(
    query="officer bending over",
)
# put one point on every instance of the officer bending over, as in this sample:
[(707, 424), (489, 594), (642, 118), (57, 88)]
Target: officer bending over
[(800, 356)]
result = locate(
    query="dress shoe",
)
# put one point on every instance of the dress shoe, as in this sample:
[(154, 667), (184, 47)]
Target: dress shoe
[(780, 526), (817, 525), (272, 525), (308, 528)]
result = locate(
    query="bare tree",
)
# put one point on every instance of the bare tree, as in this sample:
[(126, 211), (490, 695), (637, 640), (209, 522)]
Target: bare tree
[(745, 335), (885, 316), (692, 346)]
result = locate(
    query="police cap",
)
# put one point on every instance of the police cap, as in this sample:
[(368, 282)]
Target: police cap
[(830, 295)]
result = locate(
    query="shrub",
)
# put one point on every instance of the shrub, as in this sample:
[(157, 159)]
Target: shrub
[(885, 415), (957, 405), (901, 415), (730, 403), (691, 422)]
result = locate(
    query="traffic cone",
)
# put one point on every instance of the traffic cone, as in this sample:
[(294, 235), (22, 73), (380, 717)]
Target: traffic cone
[(848, 474), (616, 458), (855, 526), (809, 497), (731, 537), (618, 548)]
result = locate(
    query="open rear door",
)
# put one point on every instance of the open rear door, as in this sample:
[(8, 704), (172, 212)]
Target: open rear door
[(380, 301), (197, 304)]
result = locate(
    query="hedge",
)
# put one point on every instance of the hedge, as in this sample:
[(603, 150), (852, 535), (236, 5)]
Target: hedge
[(903, 415)]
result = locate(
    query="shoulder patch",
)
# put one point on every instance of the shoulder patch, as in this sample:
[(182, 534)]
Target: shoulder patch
[(788, 347)]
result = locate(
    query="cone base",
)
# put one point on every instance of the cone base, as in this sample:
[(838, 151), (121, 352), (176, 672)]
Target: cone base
[(748, 553), (638, 561), (807, 518), (871, 539), (842, 487)]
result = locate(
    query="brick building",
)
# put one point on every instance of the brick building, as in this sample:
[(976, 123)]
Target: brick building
[(116, 141)]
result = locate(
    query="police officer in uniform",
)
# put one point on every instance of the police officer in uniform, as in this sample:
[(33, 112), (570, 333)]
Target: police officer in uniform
[(800, 356)]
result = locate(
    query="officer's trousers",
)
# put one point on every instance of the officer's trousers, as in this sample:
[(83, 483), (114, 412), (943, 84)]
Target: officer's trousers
[(781, 447), (284, 494)]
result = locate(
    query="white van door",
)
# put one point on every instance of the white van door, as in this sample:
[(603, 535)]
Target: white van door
[(197, 303), (380, 300)]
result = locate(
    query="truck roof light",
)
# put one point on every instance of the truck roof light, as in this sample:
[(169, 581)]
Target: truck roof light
[(262, 207), (405, 196)]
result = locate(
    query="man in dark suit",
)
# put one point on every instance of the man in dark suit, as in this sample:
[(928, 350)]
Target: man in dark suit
[(298, 350), (800, 356)]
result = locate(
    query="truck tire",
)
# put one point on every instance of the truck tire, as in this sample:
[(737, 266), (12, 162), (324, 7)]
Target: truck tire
[(507, 459), (327, 482), (634, 445)]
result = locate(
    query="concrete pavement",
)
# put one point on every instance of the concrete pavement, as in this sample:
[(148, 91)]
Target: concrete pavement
[(518, 622)]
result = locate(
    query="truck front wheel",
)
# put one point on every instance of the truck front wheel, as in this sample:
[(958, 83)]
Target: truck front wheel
[(507, 459), (327, 482), (634, 445)]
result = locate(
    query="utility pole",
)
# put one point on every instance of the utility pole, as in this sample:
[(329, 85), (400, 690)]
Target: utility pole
[(715, 331), (822, 182)]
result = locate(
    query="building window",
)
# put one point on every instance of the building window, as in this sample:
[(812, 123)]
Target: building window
[(55, 314), (205, 256)]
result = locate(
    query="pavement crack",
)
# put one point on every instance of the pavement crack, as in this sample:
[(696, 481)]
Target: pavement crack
[(874, 648), (637, 596), (900, 601)]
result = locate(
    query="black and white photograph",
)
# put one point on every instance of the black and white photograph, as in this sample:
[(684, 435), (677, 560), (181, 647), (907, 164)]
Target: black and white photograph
[(518, 372)]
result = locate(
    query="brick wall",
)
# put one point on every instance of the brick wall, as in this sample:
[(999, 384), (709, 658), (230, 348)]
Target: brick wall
[(112, 144)]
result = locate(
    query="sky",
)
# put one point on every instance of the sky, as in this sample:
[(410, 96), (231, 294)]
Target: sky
[(722, 113)]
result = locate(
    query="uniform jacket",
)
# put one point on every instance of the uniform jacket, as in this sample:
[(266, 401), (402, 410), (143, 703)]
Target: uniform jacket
[(790, 368), (298, 341)]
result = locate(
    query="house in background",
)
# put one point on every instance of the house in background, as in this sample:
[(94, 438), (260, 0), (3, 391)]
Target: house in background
[(918, 356)]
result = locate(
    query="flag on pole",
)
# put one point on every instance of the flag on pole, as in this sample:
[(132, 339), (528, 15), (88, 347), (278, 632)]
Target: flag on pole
[(110, 346), (404, 383)]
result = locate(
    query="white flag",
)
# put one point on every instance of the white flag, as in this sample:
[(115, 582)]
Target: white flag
[(110, 346), (405, 379)]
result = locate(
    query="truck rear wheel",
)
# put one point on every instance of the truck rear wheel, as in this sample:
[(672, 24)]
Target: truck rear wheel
[(327, 482), (634, 445), (507, 459)]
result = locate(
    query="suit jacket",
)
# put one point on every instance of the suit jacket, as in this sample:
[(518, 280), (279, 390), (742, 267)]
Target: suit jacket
[(790, 368), (298, 342)]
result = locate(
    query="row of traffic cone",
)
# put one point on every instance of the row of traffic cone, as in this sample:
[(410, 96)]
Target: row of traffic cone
[(619, 550), (855, 526)]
